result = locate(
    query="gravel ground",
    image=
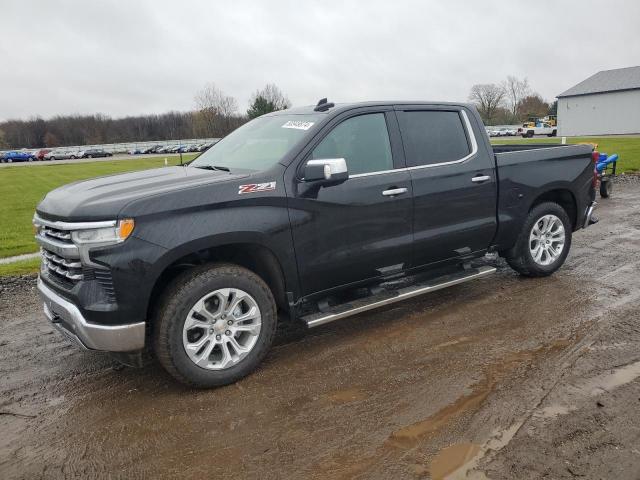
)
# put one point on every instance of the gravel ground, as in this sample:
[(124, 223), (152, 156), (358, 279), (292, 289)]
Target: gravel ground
[(500, 378)]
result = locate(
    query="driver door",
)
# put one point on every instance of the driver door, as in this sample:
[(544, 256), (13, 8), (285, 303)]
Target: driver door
[(360, 229)]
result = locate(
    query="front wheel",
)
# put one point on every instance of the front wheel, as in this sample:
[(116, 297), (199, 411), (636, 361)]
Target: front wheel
[(543, 243), (215, 325)]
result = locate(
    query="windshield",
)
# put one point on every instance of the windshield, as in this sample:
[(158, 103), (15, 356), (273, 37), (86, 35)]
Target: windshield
[(258, 144)]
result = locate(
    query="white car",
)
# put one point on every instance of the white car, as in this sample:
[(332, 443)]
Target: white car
[(507, 132), (60, 154)]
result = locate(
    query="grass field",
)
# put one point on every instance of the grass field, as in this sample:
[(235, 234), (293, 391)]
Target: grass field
[(22, 188), (628, 148), (21, 267)]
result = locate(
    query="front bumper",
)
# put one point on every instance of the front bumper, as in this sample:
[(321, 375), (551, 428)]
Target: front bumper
[(68, 319)]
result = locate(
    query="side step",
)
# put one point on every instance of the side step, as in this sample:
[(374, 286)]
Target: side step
[(387, 298)]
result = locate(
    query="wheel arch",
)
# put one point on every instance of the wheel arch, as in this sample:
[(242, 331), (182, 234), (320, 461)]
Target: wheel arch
[(563, 197), (253, 256)]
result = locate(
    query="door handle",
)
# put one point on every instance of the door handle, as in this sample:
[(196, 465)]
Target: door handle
[(392, 192), (480, 178)]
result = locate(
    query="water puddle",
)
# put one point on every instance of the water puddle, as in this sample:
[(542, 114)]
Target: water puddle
[(451, 343), (552, 411), (456, 462), (410, 435), (451, 458), (346, 396), (610, 381)]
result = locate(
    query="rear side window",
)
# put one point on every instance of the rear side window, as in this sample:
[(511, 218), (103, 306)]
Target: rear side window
[(433, 137), (363, 141)]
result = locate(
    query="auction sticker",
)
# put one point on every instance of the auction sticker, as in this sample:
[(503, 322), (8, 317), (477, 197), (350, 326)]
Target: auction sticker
[(298, 125)]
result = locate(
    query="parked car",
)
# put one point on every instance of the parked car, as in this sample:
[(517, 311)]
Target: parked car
[(380, 202), (17, 156), (539, 129), (506, 132), (39, 154), (94, 153), (61, 154)]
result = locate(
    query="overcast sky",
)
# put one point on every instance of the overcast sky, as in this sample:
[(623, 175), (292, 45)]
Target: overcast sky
[(136, 57)]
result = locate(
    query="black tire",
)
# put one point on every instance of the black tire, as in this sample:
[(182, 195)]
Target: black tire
[(519, 256), (89, 156), (52, 159), (73, 157), (179, 298), (606, 187)]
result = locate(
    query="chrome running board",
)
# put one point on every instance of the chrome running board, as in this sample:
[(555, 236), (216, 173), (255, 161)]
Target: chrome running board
[(363, 305)]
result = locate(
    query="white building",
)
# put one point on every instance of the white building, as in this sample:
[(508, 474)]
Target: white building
[(603, 104)]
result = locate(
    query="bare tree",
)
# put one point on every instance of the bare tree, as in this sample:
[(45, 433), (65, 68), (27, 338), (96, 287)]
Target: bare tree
[(215, 110), (488, 98), (515, 90), (267, 100)]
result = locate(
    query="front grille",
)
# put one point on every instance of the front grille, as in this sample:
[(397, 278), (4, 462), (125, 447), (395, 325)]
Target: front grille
[(68, 270), (56, 234)]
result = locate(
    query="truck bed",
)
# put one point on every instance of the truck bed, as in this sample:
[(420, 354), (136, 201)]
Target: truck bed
[(523, 170)]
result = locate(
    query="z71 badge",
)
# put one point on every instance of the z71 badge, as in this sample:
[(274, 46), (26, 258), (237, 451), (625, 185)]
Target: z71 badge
[(256, 187)]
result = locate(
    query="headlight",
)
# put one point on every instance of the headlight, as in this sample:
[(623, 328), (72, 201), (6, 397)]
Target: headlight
[(107, 235)]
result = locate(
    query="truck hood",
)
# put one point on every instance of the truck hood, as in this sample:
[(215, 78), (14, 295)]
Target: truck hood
[(103, 197)]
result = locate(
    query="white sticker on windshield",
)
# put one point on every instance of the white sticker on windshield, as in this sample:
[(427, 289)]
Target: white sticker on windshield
[(298, 125)]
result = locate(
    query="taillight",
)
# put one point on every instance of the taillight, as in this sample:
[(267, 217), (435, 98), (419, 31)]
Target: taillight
[(595, 156)]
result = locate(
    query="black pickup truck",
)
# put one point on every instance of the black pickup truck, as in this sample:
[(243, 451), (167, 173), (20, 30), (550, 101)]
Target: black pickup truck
[(310, 214)]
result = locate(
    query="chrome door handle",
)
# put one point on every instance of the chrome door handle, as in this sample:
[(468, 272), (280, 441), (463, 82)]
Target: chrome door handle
[(394, 191), (481, 178)]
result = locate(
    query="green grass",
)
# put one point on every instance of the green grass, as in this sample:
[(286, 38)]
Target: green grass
[(22, 267), (628, 148), (22, 188)]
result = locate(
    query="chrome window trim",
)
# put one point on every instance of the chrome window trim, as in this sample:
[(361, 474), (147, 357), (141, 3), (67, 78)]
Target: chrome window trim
[(474, 151), (540, 148), (73, 225)]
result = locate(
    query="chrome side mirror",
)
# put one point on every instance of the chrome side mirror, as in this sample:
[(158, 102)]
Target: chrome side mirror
[(329, 171)]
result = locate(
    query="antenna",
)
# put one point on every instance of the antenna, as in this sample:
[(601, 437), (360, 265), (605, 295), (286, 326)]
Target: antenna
[(323, 105)]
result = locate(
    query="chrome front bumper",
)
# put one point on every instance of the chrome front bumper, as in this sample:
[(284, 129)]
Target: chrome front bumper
[(588, 220), (66, 317)]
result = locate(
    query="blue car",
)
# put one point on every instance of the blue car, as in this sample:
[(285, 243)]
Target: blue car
[(17, 156)]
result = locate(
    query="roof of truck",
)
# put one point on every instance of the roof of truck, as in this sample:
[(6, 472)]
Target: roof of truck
[(340, 107), (607, 81)]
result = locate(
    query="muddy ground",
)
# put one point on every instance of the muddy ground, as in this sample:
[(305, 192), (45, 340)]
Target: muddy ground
[(501, 378)]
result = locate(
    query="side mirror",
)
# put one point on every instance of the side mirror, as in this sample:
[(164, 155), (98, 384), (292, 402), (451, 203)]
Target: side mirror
[(330, 171)]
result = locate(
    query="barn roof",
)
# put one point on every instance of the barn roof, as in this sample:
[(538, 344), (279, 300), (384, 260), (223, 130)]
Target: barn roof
[(607, 81)]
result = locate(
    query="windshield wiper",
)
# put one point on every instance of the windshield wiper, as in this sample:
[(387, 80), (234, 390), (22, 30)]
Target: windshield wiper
[(213, 167)]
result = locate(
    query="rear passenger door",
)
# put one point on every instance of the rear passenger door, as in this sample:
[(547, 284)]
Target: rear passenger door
[(454, 184)]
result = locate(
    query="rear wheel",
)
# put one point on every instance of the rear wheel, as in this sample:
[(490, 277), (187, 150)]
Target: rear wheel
[(543, 243), (215, 325)]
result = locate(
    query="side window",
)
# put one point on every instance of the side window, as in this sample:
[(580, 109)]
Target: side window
[(363, 141), (434, 136)]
